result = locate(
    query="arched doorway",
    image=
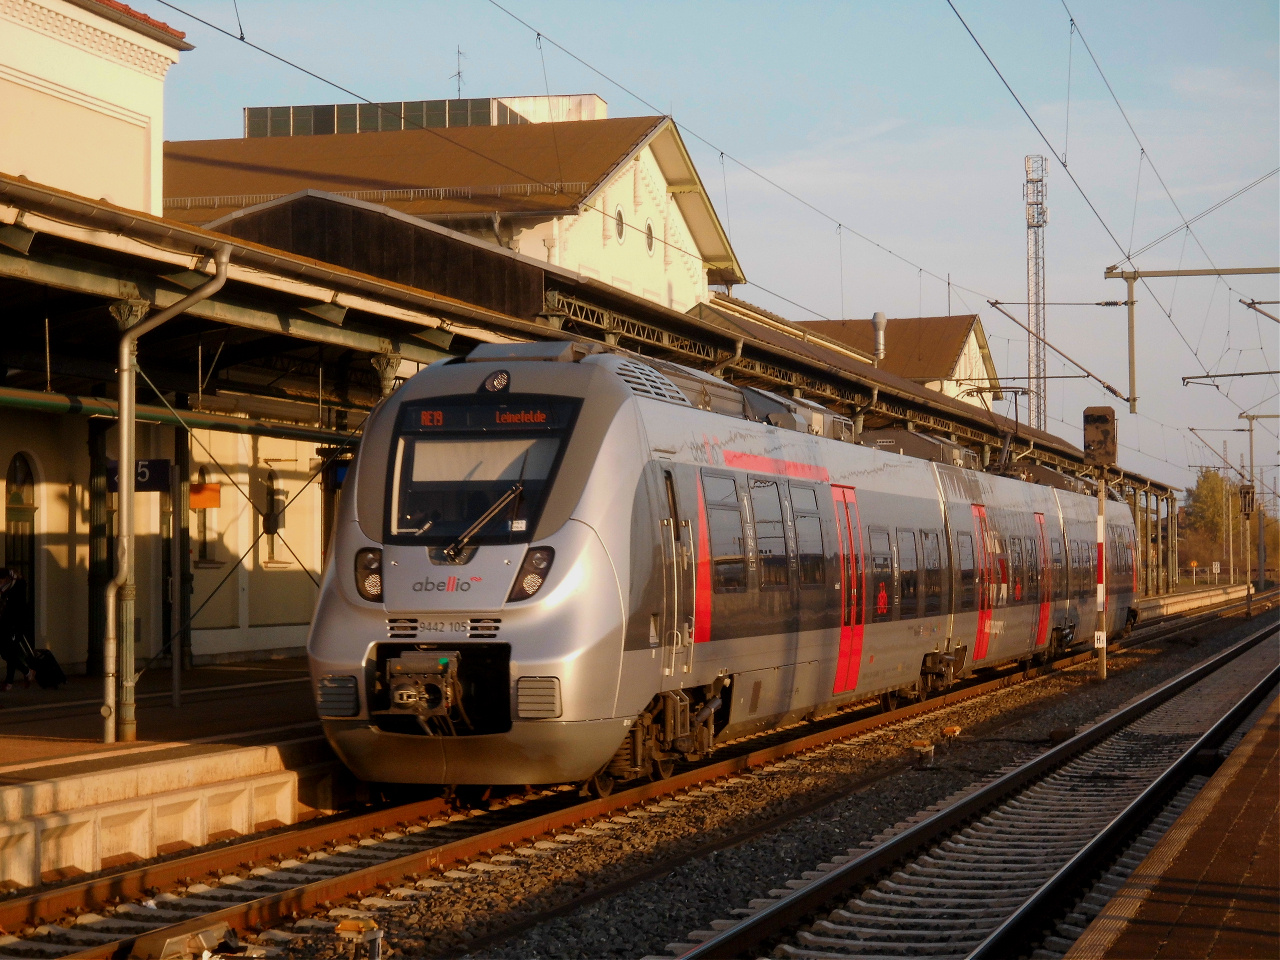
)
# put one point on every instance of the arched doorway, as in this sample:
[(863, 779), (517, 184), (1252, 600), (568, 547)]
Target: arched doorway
[(20, 530)]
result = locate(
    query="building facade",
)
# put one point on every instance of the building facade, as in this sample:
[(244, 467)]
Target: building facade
[(81, 79)]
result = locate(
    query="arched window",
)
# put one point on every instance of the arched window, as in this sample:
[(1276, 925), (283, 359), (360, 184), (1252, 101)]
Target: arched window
[(20, 530), (619, 224)]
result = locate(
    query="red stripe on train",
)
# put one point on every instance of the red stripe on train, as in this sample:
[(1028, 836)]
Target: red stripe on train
[(787, 468), (702, 591)]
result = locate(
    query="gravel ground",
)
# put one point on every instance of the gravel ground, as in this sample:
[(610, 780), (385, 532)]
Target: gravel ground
[(693, 848)]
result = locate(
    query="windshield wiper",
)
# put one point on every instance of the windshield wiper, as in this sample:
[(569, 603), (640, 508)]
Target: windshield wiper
[(452, 550)]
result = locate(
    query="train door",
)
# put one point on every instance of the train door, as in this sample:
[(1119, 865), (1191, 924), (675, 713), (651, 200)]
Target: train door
[(676, 627), (852, 587), (1044, 585), (986, 581)]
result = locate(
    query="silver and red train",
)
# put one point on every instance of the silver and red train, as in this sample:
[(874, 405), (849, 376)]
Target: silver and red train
[(553, 565)]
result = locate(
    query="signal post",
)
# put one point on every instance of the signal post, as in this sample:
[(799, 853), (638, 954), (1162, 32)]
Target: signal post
[(1100, 451)]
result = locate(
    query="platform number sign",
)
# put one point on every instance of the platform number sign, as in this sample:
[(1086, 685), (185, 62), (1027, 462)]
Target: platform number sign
[(151, 476), (1100, 436)]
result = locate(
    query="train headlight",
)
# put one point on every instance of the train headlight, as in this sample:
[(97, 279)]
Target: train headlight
[(533, 573), (369, 574)]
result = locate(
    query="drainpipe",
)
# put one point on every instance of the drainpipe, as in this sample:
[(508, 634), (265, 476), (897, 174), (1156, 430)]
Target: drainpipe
[(860, 411), (719, 368), (121, 591)]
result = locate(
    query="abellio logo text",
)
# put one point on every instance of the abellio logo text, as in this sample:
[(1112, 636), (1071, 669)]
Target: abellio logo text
[(451, 585)]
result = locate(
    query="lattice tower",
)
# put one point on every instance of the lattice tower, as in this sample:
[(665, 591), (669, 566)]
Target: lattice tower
[(1033, 192)]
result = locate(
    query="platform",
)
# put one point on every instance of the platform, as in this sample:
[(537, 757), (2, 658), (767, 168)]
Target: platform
[(1188, 600), (1210, 890), (244, 752)]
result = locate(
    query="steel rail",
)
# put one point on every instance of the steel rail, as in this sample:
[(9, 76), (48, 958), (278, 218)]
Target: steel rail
[(97, 892), (1020, 933), (272, 907), (778, 918)]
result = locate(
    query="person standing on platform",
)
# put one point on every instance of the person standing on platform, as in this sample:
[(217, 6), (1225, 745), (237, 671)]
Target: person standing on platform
[(13, 611)]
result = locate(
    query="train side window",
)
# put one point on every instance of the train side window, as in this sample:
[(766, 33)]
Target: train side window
[(908, 574), (804, 499), (719, 491), (1033, 561), (931, 548), (812, 561), (728, 560), (810, 556), (771, 542), (881, 585), (964, 547), (1001, 570), (724, 518), (1016, 568)]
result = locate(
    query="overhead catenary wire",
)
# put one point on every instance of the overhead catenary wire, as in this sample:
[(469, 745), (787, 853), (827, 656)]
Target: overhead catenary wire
[(539, 37), (477, 153), (692, 133), (1203, 213), (1186, 223), (1080, 189), (835, 221)]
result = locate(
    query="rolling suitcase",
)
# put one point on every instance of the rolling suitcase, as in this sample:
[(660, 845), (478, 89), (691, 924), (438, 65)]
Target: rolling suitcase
[(48, 673)]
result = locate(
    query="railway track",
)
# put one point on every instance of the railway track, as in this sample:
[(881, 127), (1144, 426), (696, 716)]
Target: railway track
[(988, 875), (156, 908)]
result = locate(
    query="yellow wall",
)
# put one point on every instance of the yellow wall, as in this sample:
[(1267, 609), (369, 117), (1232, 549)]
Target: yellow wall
[(82, 102), (263, 606)]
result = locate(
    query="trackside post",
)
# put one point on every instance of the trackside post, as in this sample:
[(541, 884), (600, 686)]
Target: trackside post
[(1100, 451)]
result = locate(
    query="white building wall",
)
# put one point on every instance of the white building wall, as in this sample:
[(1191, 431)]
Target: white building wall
[(670, 272), (970, 370), (577, 106), (81, 103)]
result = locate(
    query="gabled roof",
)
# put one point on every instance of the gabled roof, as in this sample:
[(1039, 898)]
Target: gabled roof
[(517, 170), (921, 349)]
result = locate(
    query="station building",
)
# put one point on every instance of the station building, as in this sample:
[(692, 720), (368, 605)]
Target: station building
[(391, 249)]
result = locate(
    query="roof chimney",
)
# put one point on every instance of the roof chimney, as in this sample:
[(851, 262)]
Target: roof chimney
[(878, 323)]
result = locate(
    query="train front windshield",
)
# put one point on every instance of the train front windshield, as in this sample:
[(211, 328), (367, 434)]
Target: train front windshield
[(464, 463)]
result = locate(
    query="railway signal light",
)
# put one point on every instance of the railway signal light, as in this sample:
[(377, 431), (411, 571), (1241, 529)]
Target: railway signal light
[(1100, 436), (1246, 500)]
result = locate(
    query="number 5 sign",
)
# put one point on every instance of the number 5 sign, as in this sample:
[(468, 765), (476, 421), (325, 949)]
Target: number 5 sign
[(150, 476)]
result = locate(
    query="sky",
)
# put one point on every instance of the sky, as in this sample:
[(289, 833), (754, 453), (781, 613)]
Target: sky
[(857, 152)]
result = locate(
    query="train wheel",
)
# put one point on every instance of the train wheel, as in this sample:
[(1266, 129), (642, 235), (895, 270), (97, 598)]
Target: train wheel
[(601, 785), (662, 769)]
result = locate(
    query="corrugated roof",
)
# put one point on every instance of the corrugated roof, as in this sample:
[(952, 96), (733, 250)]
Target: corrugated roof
[(512, 169), (917, 348)]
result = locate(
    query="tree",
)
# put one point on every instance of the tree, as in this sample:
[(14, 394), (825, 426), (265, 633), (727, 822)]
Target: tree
[(1212, 503), (1205, 504)]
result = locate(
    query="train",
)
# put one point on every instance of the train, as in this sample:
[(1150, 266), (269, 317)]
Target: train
[(563, 563)]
